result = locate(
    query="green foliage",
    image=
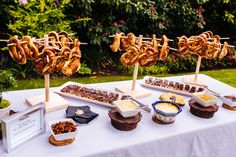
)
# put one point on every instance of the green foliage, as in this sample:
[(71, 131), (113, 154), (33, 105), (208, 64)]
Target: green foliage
[(94, 21), (36, 18), (6, 80), (84, 70)]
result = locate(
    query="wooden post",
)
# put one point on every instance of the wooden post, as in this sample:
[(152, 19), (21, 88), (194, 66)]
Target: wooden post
[(197, 68), (135, 74), (46, 77)]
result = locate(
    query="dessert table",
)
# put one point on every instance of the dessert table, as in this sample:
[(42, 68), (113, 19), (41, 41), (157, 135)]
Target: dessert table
[(188, 136)]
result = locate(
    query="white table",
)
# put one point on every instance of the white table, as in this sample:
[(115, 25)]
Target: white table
[(189, 136)]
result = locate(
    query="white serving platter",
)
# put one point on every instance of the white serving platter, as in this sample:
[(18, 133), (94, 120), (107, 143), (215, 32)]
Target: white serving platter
[(168, 89), (84, 98)]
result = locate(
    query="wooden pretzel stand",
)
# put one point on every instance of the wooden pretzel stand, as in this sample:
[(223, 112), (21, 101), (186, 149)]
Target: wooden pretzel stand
[(52, 101), (133, 90), (195, 79)]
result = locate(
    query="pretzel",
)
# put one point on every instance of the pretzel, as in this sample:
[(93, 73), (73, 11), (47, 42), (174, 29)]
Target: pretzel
[(148, 58), (30, 48), (224, 50), (165, 48), (130, 57), (47, 61), (54, 40), (16, 51), (64, 39), (126, 42), (70, 61), (116, 43), (183, 44)]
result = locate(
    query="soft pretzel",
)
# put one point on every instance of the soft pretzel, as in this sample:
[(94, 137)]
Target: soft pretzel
[(54, 39), (148, 58), (47, 61), (224, 50), (116, 43), (127, 42), (130, 57), (183, 44), (30, 48), (165, 48), (16, 51), (64, 39)]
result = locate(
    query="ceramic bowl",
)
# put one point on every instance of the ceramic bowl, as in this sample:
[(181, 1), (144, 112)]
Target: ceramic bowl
[(125, 112), (164, 116), (63, 136), (205, 99)]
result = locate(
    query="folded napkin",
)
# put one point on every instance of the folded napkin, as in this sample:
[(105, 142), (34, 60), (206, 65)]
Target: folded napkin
[(85, 117)]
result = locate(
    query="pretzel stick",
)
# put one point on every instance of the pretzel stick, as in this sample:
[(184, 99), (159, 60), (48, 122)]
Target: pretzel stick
[(111, 36), (135, 74), (65, 42), (197, 68), (46, 77)]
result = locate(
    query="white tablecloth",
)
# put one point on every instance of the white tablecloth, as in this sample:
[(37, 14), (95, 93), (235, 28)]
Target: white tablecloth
[(189, 136)]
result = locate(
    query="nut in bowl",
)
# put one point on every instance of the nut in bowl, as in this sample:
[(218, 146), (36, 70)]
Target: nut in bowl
[(63, 129), (127, 108), (205, 98), (165, 112)]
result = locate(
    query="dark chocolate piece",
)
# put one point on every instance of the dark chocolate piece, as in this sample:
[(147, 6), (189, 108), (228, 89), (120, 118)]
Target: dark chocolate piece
[(193, 89), (187, 87)]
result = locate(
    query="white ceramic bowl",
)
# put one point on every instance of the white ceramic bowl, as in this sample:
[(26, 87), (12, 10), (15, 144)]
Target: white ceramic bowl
[(127, 112), (64, 136), (211, 102), (227, 101), (165, 116)]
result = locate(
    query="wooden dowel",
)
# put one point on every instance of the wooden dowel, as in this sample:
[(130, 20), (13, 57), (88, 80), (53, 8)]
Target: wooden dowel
[(81, 43), (135, 74), (197, 68), (147, 38), (225, 38), (4, 40), (46, 77), (13, 44)]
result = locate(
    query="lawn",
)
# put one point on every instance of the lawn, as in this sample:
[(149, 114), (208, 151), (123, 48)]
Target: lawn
[(226, 75)]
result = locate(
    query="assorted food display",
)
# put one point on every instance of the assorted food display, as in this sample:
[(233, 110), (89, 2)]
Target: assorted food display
[(62, 53), (171, 86)]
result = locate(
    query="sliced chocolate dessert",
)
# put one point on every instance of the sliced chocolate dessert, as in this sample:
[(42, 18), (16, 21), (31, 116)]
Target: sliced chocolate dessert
[(192, 90)]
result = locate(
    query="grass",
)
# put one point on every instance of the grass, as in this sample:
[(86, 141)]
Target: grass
[(226, 75)]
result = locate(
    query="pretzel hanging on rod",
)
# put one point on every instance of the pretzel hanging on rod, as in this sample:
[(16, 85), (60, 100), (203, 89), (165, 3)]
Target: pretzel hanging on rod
[(44, 58)]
